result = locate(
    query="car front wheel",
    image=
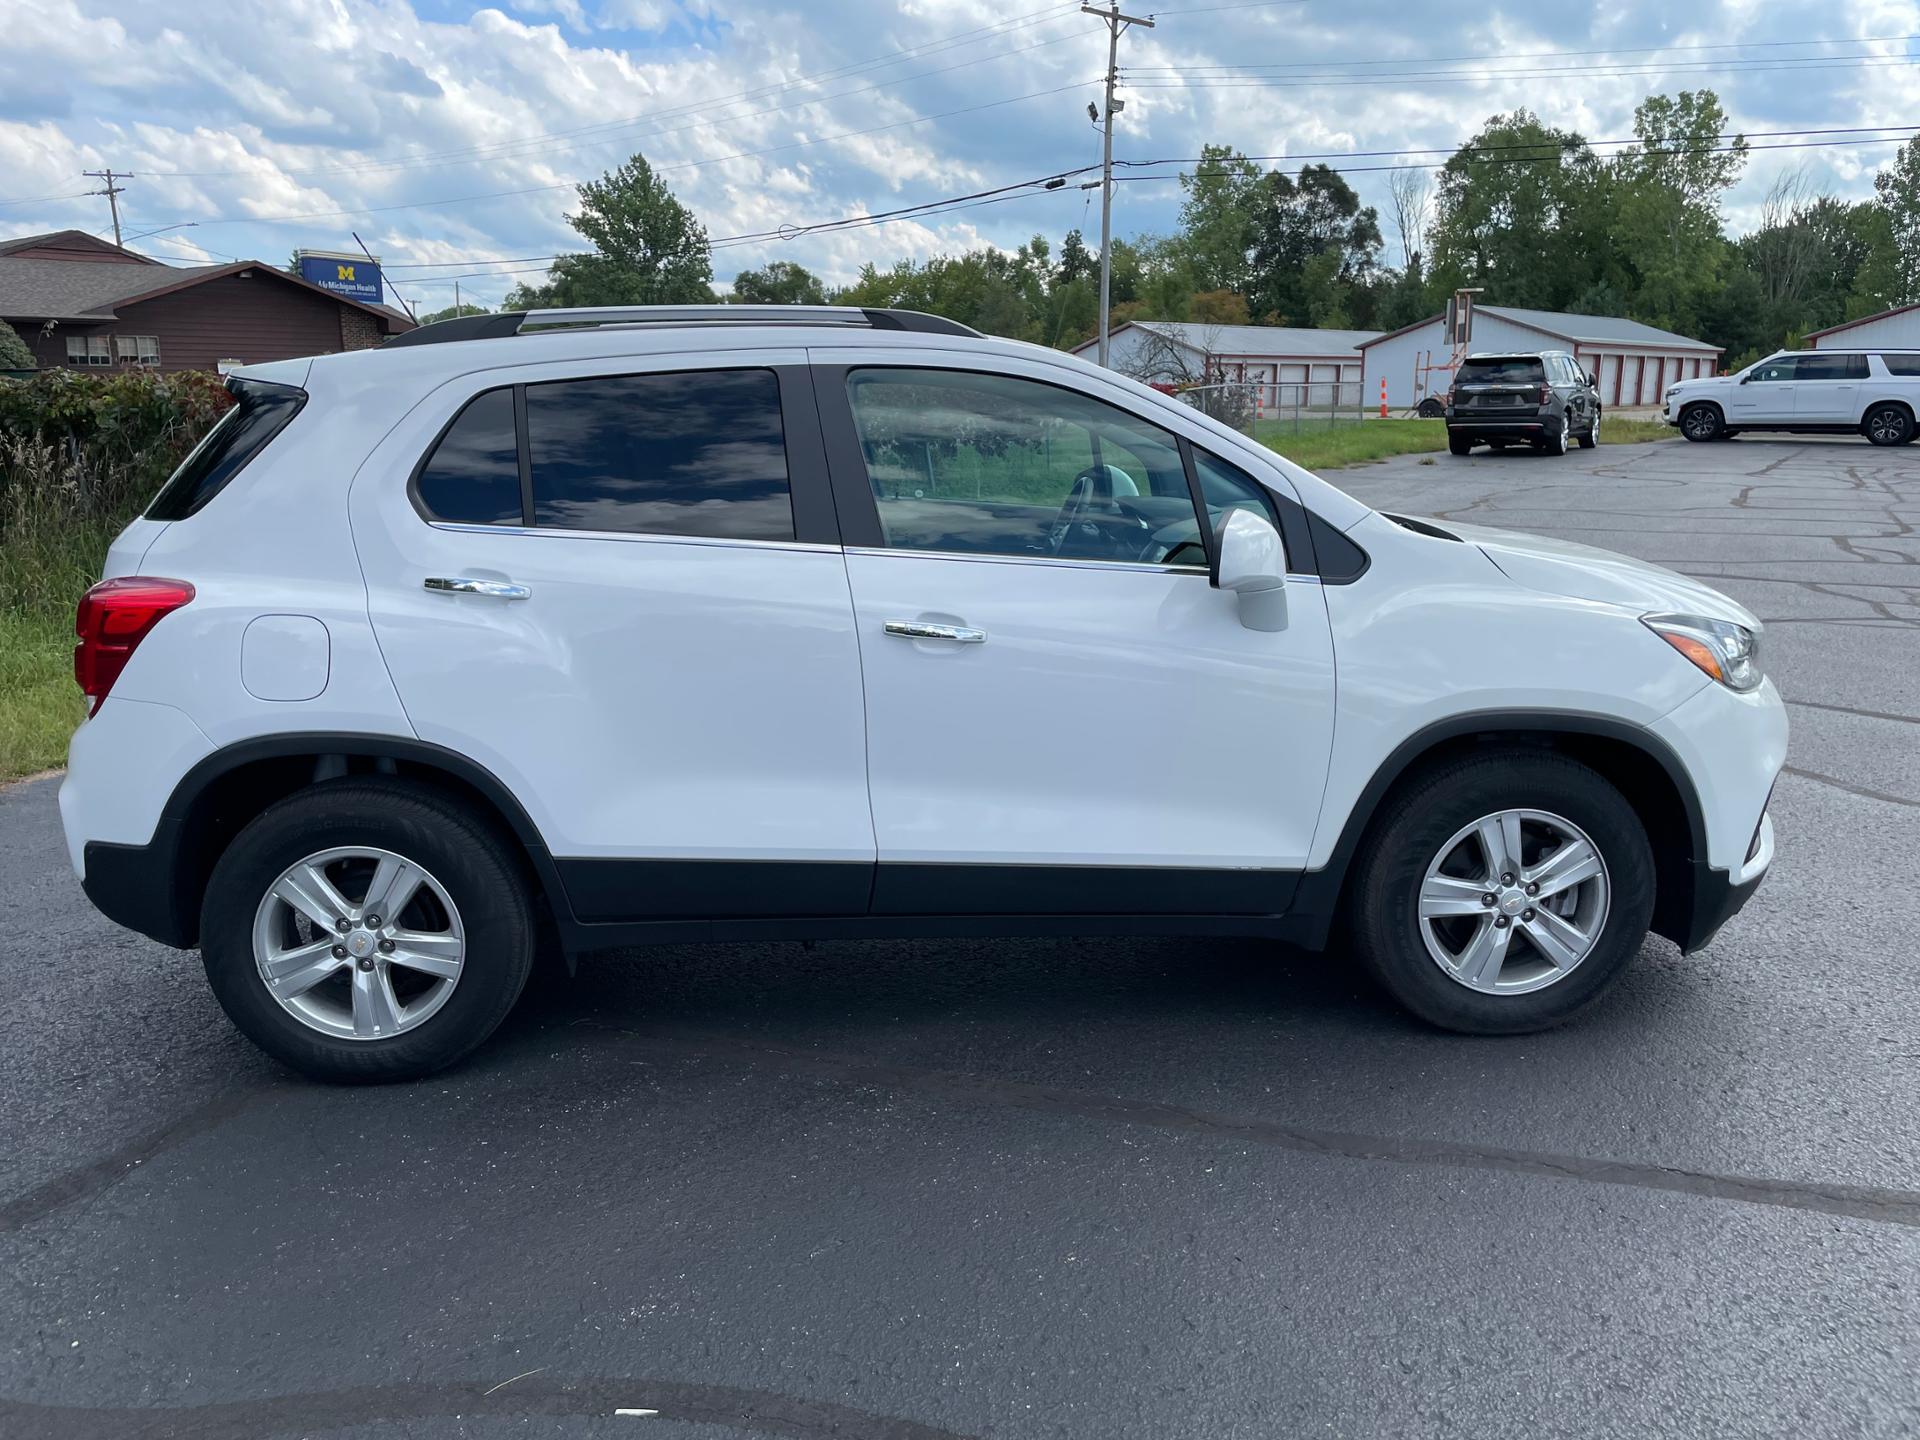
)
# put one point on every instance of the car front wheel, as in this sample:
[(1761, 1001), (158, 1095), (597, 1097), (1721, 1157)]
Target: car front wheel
[(1702, 422), (1503, 893), (368, 930)]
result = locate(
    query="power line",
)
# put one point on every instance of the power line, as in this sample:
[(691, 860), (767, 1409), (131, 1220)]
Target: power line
[(1117, 25), (1461, 77), (112, 192), (1549, 54)]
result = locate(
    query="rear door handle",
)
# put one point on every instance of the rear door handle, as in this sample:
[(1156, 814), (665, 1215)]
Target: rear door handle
[(926, 630), (463, 585)]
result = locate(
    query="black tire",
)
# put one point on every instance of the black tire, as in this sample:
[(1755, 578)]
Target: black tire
[(1415, 823), (1888, 425), (1431, 409), (481, 870), (1702, 422), (1457, 446), (1591, 438)]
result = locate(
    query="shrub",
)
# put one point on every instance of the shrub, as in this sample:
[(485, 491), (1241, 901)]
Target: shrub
[(14, 354)]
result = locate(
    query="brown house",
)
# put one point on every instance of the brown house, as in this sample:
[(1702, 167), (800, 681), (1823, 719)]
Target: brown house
[(80, 301)]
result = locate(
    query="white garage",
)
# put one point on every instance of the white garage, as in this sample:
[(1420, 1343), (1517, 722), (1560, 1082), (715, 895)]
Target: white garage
[(1634, 362), (1895, 329), (1291, 368)]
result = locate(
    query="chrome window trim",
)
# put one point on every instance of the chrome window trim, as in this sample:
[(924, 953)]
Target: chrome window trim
[(1051, 562), (645, 537)]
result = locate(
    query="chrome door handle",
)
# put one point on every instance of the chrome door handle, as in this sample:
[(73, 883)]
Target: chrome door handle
[(461, 585), (925, 630)]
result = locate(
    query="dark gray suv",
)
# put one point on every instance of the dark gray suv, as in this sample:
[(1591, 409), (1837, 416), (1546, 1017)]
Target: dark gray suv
[(1543, 399)]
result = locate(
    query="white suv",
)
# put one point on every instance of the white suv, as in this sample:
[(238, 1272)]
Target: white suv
[(1875, 393), (737, 623)]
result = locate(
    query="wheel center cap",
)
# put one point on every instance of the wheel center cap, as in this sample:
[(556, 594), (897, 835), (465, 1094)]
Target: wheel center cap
[(360, 944), (1511, 903)]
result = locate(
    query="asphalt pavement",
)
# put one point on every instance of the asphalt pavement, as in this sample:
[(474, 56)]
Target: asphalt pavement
[(1085, 1188)]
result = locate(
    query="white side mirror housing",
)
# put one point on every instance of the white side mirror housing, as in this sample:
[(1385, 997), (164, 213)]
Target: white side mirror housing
[(1251, 561)]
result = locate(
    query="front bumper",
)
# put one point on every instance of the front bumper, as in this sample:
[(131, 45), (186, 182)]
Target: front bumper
[(1718, 896)]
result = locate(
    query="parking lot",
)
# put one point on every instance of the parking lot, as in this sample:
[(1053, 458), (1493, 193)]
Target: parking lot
[(1086, 1188)]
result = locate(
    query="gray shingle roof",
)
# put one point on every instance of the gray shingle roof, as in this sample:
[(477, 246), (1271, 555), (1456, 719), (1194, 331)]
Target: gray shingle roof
[(79, 289), (1597, 329), (1263, 340)]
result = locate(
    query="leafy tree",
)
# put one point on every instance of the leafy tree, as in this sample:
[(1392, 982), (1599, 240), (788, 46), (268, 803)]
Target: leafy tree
[(454, 312), (1076, 261), (1898, 189), (780, 282), (1217, 224), (1515, 211), (1666, 193), (14, 354), (1313, 243), (648, 248), (1219, 307)]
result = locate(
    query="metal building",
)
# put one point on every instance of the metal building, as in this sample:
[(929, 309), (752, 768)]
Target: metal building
[(1895, 329), (1635, 362), (1310, 368)]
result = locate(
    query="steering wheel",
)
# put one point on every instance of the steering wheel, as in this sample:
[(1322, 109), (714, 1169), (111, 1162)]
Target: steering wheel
[(1095, 483)]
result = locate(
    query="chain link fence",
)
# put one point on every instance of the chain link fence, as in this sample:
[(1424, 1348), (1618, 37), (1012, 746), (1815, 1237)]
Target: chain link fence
[(1265, 409)]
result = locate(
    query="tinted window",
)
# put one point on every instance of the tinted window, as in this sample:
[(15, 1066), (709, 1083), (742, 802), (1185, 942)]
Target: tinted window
[(693, 453), (1774, 370), (993, 465), (1225, 487), (1517, 370), (1908, 364), (260, 412), (473, 475), (1831, 367)]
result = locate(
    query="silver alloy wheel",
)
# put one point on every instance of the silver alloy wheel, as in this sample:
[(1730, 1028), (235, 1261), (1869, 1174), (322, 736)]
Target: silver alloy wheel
[(1566, 433), (1594, 431), (1698, 423), (358, 969), (1887, 426), (1514, 902)]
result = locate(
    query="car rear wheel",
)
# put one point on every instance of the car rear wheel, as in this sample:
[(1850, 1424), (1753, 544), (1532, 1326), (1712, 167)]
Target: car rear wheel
[(1888, 425), (1702, 422), (1591, 437), (368, 930), (1457, 446), (1503, 893)]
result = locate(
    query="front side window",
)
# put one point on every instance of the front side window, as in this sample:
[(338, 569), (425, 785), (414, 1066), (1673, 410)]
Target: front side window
[(1771, 371), (994, 465), (698, 452)]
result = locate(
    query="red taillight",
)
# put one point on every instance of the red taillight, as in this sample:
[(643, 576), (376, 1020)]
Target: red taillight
[(1546, 394), (114, 617)]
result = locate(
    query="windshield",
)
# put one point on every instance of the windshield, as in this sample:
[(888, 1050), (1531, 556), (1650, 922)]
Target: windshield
[(1512, 370)]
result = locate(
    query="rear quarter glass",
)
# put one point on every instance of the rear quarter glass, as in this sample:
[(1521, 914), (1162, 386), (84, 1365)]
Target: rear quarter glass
[(261, 410)]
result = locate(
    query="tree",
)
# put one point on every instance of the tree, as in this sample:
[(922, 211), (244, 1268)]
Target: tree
[(1898, 189), (1217, 217), (648, 248), (1517, 210), (14, 354), (1313, 242), (780, 282), (1219, 307), (454, 312), (1076, 261), (1412, 192), (1666, 194)]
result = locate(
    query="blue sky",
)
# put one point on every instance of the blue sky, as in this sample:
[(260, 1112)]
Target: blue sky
[(450, 135)]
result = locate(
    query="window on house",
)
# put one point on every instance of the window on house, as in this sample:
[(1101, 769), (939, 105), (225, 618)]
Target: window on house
[(89, 350), (137, 349)]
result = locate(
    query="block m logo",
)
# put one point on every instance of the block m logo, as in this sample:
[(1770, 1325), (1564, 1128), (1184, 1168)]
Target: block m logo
[(346, 272)]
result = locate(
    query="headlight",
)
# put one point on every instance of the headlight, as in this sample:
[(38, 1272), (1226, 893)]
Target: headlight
[(1729, 653), (1672, 390)]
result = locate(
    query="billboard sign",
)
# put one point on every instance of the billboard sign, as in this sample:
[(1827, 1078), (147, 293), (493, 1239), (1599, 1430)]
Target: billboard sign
[(353, 276)]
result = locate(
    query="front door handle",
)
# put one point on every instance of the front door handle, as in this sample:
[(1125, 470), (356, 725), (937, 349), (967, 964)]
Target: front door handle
[(927, 630), (463, 585)]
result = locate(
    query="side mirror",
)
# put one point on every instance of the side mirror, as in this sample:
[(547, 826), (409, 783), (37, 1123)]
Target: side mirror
[(1745, 378), (1593, 379), (1251, 561)]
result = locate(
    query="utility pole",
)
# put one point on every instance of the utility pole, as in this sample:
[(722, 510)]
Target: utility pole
[(1115, 22), (112, 192)]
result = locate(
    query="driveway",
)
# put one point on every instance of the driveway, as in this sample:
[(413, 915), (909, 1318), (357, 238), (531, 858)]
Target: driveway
[(1090, 1189)]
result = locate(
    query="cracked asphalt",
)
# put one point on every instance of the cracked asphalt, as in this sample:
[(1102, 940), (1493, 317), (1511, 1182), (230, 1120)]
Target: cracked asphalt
[(1096, 1189)]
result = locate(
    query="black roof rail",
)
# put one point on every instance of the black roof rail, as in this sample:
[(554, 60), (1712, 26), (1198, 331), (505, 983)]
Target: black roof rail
[(526, 322)]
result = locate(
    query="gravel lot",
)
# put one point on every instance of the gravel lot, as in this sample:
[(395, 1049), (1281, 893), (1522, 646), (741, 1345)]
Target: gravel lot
[(1093, 1189)]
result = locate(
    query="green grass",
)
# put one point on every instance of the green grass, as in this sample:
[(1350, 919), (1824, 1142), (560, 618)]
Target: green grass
[(1327, 447), (39, 703)]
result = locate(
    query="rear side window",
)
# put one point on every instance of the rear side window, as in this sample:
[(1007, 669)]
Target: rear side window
[(1908, 364), (260, 412), (473, 475), (1517, 370), (1832, 367), (693, 453)]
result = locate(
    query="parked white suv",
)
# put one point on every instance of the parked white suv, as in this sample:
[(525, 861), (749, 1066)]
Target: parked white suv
[(1875, 393), (737, 623)]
